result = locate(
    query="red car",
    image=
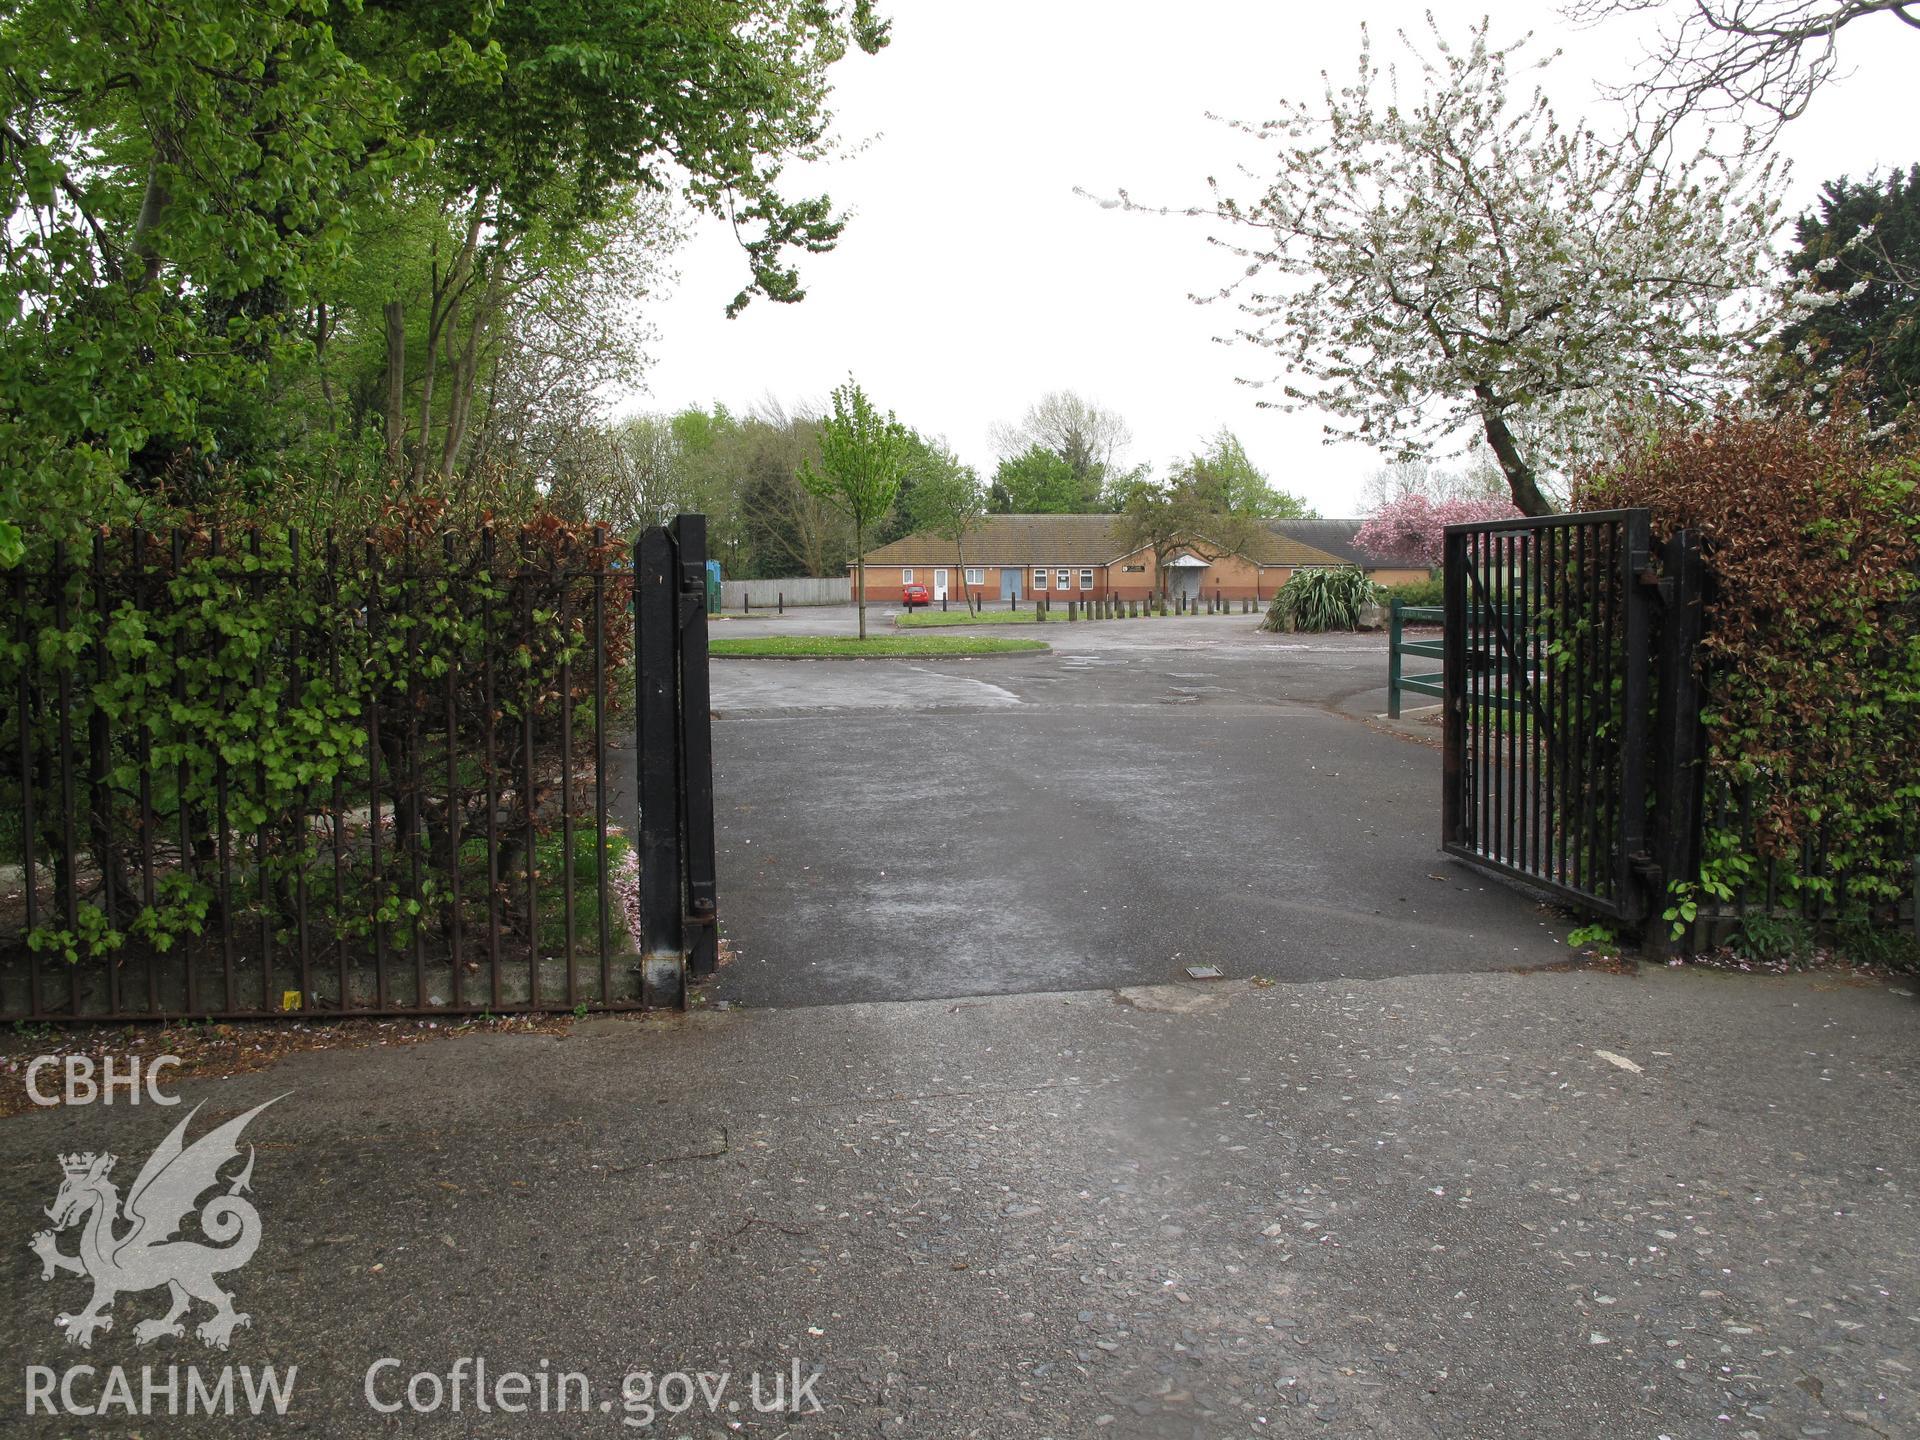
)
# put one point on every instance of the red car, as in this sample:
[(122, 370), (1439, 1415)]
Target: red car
[(912, 595)]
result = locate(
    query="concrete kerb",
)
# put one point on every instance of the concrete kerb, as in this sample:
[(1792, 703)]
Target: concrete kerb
[(1045, 649)]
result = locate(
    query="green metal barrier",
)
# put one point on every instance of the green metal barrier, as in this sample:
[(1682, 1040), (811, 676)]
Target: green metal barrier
[(1398, 681)]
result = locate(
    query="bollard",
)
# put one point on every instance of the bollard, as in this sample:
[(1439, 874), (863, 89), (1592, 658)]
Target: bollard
[(943, 604), (1073, 609), (746, 604), (782, 597)]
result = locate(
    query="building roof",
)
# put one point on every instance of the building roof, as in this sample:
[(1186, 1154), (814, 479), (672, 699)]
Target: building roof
[(1014, 540), (1333, 536), (1279, 545), (1032, 541)]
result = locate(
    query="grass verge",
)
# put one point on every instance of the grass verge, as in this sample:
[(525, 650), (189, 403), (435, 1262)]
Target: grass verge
[(934, 619), (877, 647)]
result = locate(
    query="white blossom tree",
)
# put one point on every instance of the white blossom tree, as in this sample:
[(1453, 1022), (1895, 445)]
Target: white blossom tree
[(1455, 259)]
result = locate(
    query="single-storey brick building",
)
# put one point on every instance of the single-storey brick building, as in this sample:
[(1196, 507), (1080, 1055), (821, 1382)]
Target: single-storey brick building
[(1079, 557)]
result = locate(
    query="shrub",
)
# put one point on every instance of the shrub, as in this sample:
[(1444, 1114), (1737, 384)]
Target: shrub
[(1811, 652), (1322, 599), (1431, 591)]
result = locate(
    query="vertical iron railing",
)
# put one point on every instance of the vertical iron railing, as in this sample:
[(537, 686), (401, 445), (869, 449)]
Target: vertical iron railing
[(246, 774)]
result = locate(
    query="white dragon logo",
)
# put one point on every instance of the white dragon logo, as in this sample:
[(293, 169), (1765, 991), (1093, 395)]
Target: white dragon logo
[(146, 1254)]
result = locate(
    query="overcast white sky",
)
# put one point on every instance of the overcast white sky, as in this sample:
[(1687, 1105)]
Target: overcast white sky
[(972, 280)]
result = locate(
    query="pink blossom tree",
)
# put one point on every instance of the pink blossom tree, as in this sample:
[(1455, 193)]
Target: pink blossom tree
[(1410, 529)]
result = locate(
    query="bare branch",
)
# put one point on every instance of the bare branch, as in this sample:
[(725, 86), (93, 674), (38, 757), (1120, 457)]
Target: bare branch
[(1756, 63)]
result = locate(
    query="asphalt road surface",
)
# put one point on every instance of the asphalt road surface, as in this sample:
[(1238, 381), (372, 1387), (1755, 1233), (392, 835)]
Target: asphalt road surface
[(1151, 794)]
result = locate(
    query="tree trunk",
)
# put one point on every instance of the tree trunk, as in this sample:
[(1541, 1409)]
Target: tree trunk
[(466, 368), (1520, 476), (396, 316), (153, 206), (860, 572), (439, 321)]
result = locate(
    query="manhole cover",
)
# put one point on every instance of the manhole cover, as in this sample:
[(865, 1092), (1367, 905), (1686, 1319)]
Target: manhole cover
[(1205, 972)]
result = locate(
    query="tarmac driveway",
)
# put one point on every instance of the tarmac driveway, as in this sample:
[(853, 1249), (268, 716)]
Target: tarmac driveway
[(1151, 794)]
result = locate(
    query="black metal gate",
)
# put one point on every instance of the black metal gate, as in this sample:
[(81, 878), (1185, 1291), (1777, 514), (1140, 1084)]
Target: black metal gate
[(1560, 634)]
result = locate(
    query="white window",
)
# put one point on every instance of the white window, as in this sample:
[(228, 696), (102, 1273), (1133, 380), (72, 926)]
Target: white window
[(1039, 579), (1063, 579), (976, 577), (906, 575), (1086, 579)]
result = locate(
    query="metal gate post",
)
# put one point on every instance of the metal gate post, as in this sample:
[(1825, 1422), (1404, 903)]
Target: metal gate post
[(1453, 763), (1395, 629), (656, 602), (1679, 743), (701, 933), (1635, 861)]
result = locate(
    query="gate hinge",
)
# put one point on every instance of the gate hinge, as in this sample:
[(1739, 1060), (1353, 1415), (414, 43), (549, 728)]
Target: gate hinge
[(1652, 579)]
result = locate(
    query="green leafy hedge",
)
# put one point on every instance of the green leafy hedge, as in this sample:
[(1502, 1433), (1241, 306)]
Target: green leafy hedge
[(1811, 655), (215, 722)]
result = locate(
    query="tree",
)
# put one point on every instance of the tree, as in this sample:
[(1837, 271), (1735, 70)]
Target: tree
[(786, 529), (1480, 479), (1215, 500), (626, 478), (1411, 529), (945, 500), (1039, 482), (1228, 482), (1855, 301), (1159, 518), (1087, 440), (204, 201), (1453, 261), (863, 455), (1726, 59)]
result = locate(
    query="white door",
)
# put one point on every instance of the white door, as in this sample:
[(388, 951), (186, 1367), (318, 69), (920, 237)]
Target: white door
[(939, 584)]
